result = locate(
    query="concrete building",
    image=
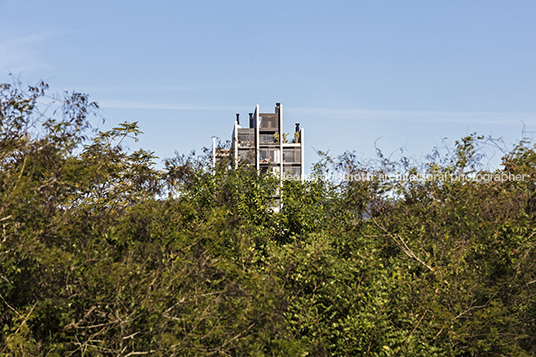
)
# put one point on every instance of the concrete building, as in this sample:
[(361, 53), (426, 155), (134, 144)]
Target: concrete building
[(264, 144)]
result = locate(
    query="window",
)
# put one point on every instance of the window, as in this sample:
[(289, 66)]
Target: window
[(291, 172), (266, 138), (291, 155), (246, 156), (269, 156), (245, 138), (265, 156), (277, 156), (269, 121), (288, 155)]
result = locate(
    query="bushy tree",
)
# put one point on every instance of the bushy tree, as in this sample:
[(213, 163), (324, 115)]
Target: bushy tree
[(94, 261), (101, 254), (441, 266)]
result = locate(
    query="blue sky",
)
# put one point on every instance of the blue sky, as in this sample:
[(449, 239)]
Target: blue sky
[(403, 74)]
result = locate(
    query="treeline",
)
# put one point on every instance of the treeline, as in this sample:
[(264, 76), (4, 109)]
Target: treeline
[(101, 254)]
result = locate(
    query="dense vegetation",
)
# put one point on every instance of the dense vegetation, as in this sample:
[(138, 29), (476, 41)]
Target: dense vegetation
[(101, 254)]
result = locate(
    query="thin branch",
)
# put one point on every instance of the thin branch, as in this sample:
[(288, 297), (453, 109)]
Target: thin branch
[(139, 353), (5, 302), (234, 338), (402, 245), (418, 323), (22, 323)]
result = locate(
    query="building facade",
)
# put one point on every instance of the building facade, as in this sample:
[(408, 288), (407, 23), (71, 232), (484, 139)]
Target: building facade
[(265, 145)]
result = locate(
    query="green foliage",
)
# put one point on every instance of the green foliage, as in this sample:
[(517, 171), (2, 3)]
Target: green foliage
[(103, 255)]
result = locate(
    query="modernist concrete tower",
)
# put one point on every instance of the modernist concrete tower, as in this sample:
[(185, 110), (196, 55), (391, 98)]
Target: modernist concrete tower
[(265, 145)]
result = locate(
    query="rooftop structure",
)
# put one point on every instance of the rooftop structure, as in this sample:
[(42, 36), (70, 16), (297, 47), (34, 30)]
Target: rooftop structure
[(264, 144)]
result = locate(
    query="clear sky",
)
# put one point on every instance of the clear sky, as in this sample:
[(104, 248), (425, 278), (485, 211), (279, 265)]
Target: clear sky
[(409, 73)]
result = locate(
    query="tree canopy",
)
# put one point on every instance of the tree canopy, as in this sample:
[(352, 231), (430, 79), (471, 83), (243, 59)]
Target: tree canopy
[(102, 254)]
